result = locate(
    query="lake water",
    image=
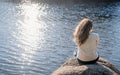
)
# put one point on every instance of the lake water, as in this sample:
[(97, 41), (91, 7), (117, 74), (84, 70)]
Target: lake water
[(36, 35)]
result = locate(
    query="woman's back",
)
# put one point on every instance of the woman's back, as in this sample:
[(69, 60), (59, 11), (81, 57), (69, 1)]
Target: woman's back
[(90, 43), (87, 51)]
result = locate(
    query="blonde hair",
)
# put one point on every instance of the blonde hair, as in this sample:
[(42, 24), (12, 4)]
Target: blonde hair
[(81, 32)]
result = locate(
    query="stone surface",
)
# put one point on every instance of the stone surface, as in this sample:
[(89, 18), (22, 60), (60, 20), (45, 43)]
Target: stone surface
[(73, 67)]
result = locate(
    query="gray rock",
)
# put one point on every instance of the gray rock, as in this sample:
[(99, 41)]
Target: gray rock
[(73, 67)]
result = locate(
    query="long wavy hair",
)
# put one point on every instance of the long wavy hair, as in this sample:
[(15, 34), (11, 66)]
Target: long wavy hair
[(82, 31)]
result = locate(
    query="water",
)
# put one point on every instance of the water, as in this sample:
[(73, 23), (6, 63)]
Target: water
[(36, 36)]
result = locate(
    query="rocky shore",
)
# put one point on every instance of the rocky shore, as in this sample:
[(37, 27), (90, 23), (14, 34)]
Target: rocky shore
[(73, 67)]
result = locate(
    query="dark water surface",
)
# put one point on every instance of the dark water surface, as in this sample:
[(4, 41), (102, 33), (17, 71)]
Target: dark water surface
[(36, 36)]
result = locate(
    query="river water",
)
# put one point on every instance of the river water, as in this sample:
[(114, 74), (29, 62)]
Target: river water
[(36, 35)]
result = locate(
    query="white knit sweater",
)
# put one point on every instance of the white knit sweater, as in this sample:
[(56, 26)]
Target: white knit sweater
[(87, 51)]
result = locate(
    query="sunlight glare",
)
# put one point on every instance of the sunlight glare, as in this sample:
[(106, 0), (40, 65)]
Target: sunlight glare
[(29, 31)]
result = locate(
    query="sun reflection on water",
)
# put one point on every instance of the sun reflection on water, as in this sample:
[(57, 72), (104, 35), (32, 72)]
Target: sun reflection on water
[(29, 32)]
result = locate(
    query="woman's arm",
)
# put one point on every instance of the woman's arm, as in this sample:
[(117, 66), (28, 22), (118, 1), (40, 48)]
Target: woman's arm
[(97, 39)]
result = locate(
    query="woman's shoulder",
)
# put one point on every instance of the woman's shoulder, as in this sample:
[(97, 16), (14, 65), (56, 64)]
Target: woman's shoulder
[(94, 34)]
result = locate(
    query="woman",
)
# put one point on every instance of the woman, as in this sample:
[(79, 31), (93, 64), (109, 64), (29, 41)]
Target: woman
[(86, 42)]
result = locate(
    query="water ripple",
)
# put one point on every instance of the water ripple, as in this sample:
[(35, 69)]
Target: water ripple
[(36, 36)]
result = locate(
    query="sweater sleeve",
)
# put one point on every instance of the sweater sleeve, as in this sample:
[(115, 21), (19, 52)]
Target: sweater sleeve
[(97, 39)]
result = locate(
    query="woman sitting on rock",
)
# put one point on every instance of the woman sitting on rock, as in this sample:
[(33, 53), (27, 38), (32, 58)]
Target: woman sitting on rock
[(86, 42)]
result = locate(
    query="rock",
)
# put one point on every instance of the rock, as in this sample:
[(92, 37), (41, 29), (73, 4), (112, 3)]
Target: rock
[(73, 67)]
